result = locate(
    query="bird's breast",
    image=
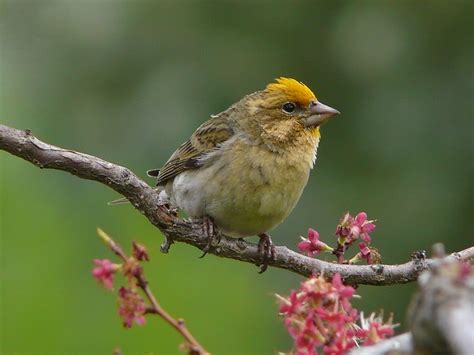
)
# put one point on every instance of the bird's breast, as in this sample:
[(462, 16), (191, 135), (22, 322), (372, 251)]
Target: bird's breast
[(247, 189)]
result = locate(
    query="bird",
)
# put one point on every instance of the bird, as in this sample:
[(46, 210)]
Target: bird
[(243, 170)]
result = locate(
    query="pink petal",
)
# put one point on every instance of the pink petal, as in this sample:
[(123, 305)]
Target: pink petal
[(336, 280), (364, 249), (361, 218), (368, 227), (304, 246), (355, 231), (104, 272), (343, 290), (313, 235)]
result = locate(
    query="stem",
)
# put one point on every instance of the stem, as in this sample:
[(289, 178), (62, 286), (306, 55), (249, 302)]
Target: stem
[(179, 325), (194, 347)]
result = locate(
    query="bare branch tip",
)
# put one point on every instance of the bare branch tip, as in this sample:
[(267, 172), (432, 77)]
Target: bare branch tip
[(105, 237)]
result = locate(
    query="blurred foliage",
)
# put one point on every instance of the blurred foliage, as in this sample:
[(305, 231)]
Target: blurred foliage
[(129, 81)]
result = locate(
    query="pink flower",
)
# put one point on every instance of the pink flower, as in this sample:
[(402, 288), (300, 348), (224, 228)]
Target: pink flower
[(342, 290), (104, 272), (319, 316), (343, 229), (132, 307), (349, 228), (373, 329), (289, 306), (307, 339), (342, 342), (365, 253), (313, 246), (365, 227), (317, 312)]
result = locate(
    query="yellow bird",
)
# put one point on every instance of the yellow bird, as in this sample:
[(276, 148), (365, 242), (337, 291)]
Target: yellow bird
[(243, 171)]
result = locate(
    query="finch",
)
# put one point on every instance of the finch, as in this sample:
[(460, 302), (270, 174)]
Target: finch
[(243, 170)]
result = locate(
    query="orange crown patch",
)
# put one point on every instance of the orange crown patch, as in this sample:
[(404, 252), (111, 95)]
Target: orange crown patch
[(295, 90)]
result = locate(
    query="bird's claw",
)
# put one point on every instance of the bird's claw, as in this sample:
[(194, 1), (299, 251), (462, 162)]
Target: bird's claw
[(212, 233), (266, 250)]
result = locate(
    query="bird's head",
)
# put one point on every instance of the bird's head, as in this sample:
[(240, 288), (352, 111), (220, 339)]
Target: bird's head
[(288, 99), (287, 109)]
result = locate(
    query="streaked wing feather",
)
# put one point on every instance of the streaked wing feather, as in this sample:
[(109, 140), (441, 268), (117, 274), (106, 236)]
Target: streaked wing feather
[(205, 139)]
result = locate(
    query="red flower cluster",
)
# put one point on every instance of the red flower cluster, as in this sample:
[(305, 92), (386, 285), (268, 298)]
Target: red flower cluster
[(348, 231), (132, 307), (373, 329), (320, 316), (104, 272), (350, 228)]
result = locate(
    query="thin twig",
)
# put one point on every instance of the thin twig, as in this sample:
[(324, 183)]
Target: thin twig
[(193, 345), (144, 198)]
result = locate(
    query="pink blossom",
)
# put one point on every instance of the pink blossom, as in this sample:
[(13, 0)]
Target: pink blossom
[(365, 253), (351, 228), (319, 316), (342, 342), (365, 227), (131, 307), (104, 272), (312, 245), (290, 305), (315, 313), (307, 339), (343, 229), (342, 290), (335, 319), (373, 329)]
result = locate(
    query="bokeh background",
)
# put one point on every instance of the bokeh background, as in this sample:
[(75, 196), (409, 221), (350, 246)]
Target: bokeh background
[(129, 81)]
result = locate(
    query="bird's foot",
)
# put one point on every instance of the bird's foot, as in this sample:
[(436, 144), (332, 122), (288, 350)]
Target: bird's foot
[(266, 249), (213, 235)]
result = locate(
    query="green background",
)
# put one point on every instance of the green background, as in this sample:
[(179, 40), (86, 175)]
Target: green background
[(130, 81)]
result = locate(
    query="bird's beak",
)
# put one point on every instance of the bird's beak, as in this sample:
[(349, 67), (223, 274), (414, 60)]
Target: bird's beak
[(320, 113)]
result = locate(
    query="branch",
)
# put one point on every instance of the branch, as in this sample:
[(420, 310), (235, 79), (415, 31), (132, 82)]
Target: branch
[(441, 315), (145, 199), (400, 344)]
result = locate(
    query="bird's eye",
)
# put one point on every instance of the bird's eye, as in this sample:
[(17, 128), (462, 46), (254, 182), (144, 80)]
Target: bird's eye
[(289, 107)]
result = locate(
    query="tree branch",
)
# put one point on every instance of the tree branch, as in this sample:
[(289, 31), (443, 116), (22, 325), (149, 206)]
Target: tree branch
[(400, 344), (145, 199), (441, 315)]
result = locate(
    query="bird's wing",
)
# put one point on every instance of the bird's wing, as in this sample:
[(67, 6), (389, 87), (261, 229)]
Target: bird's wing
[(208, 137)]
